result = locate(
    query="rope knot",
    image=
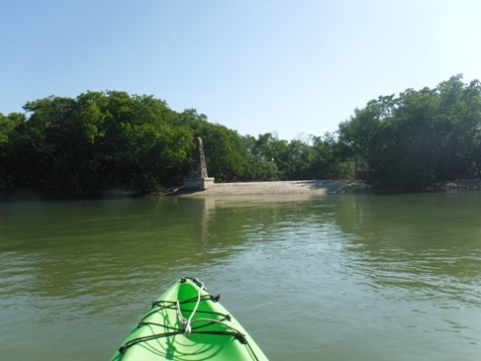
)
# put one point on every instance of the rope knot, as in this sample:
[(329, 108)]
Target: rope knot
[(184, 321)]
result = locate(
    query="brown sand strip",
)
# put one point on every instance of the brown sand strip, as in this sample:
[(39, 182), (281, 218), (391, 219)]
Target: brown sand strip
[(315, 187)]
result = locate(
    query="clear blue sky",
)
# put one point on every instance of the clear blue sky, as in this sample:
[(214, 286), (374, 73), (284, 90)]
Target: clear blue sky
[(256, 66)]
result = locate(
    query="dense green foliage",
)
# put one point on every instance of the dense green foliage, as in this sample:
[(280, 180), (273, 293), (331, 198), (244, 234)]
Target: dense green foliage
[(420, 137), (96, 142), (111, 140)]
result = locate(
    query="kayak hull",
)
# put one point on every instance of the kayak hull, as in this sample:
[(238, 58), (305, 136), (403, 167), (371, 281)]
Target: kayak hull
[(187, 323)]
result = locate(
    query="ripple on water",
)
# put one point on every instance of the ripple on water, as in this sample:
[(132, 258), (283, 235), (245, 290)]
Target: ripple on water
[(339, 278)]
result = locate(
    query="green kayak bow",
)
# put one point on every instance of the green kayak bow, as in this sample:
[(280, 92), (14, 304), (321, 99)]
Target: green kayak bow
[(187, 323)]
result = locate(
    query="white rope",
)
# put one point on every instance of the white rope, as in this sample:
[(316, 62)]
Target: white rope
[(187, 322)]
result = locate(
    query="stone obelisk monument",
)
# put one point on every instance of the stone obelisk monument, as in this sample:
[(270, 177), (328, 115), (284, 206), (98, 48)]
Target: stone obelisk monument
[(198, 178)]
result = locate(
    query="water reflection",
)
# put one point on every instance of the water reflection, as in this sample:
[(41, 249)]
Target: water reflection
[(377, 273), (421, 236), (428, 244)]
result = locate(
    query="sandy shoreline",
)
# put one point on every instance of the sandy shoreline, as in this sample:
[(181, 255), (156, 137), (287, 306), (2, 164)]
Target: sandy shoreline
[(279, 189), (311, 187)]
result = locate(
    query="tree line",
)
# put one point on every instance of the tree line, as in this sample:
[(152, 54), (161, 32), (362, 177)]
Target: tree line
[(418, 138), (113, 140)]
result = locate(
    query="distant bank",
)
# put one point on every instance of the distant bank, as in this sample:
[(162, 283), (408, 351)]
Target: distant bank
[(312, 187), (284, 188)]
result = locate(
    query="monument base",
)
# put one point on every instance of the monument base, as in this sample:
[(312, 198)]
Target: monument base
[(198, 183)]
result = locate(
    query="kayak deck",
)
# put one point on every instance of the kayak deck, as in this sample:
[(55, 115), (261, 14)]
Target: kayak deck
[(187, 323)]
